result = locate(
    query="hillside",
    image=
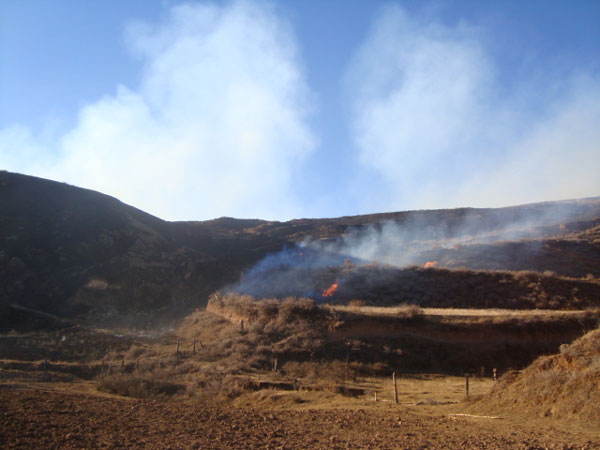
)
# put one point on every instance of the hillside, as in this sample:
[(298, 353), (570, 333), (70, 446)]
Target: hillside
[(75, 254), (301, 332), (427, 287), (564, 385)]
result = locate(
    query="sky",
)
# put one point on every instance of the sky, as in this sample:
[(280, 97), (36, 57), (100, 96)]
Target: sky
[(306, 108)]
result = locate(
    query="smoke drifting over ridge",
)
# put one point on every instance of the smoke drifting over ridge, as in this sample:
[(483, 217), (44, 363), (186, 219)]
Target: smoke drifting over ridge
[(434, 118), (415, 239), (230, 119)]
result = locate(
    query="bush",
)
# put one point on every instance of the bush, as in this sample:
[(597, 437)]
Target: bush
[(293, 309), (138, 387), (409, 311), (333, 371), (356, 303)]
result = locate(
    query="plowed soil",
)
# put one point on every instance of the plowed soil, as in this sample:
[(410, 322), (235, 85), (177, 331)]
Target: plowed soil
[(35, 419)]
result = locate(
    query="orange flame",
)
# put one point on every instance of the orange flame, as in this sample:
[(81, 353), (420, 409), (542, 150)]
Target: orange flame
[(430, 264), (330, 290)]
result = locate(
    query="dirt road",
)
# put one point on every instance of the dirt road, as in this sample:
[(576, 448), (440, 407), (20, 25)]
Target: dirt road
[(33, 419)]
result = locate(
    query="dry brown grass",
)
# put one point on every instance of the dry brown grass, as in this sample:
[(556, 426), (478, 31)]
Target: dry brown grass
[(356, 303), (495, 315), (140, 387), (329, 348), (565, 385), (404, 310), (299, 330), (291, 334)]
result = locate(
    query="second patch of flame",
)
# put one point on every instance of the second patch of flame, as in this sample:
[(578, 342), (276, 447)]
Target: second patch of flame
[(430, 264), (330, 290)]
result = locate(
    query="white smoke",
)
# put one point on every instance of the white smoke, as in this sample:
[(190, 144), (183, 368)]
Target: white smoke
[(488, 237), (218, 123), (216, 126), (431, 120)]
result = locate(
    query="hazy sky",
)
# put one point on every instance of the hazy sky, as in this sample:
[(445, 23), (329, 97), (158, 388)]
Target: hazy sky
[(291, 109)]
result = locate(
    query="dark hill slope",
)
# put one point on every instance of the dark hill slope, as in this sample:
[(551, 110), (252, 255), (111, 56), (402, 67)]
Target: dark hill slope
[(570, 252), (76, 253)]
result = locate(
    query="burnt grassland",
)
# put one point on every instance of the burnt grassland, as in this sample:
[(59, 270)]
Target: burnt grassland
[(570, 250), (381, 285)]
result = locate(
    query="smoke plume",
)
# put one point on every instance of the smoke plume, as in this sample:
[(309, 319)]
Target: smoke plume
[(440, 126), (482, 238), (217, 125)]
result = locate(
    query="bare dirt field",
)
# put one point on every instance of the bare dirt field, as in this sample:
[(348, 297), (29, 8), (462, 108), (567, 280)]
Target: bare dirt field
[(77, 416)]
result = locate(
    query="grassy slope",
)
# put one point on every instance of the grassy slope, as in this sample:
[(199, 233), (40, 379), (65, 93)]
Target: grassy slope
[(438, 288), (408, 340), (565, 385)]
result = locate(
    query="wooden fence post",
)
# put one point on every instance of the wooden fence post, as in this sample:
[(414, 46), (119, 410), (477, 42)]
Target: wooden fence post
[(375, 395), (275, 365), (494, 374), (395, 388), (194, 346), (242, 325), (467, 383)]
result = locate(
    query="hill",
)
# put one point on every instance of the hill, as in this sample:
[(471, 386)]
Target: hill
[(426, 287), (564, 385), (77, 253), (407, 338), (68, 253)]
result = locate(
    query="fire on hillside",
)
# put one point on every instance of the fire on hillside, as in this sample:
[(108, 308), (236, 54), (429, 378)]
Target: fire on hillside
[(330, 290)]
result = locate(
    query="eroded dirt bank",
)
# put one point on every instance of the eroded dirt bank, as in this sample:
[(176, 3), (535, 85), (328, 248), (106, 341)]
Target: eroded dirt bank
[(50, 420), (409, 338)]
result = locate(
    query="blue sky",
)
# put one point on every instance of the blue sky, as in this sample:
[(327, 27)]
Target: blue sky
[(292, 109)]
